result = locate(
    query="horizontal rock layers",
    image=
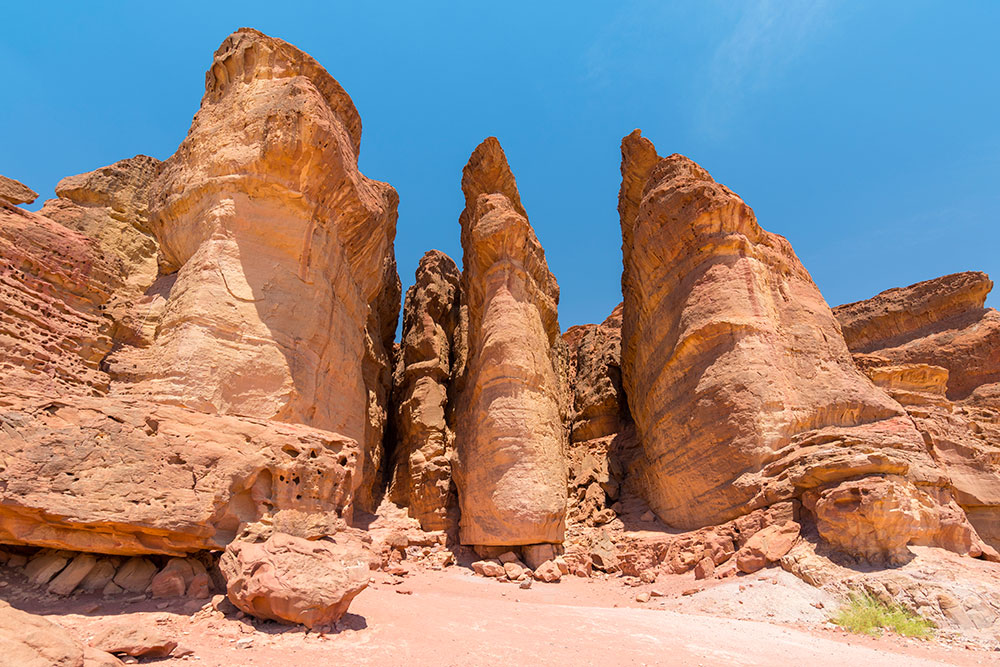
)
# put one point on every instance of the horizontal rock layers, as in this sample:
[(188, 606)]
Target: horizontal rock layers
[(510, 439), (741, 386), (936, 349)]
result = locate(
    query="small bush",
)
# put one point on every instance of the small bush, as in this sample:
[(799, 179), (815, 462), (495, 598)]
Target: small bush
[(866, 614)]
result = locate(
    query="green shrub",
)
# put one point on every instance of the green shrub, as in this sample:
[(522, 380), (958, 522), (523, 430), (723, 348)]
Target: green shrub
[(866, 614)]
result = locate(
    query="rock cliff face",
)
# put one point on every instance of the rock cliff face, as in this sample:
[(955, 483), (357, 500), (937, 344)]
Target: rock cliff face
[(741, 386), (426, 363), (282, 294), (193, 346), (936, 349), (510, 439)]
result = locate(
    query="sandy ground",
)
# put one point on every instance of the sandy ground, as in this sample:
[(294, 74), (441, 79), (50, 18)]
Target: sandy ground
[(452, 617)]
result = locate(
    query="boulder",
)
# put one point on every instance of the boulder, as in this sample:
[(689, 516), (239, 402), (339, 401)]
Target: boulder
[(139, 640), (293, 580), (173, 580), (424, 365), (27, 640), (741, 386), (548, 572), (510, 440), (489, 568), (135, 575), (766, 546), (74, 573)]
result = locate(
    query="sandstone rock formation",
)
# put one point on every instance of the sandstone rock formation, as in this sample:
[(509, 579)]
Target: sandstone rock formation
[(54, 286), (121, 476), (510, 440), (424, 370), (940, 322), (293, 580), (742, 388), (14, 192), (936, 349), (282, 293)]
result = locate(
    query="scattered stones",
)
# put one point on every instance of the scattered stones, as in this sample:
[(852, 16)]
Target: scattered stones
[(643, 596)]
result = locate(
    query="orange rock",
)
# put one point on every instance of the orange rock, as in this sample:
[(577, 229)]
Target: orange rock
[(424, 440), (292, 580), (510, 440), (74, 470), (936, 349), (14, 192), (741, 386), (705, 568), (283, 296), (27, 640), (140, 641), (767, 546)]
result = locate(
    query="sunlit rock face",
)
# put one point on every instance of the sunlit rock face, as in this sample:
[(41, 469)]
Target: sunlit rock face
[(742, 388), (510, 437), (280, 293), (935, 348)]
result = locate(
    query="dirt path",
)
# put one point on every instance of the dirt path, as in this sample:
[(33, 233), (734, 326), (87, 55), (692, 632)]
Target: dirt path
[(454, 618)]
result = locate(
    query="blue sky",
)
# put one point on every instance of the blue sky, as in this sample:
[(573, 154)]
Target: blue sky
[(866, 133)]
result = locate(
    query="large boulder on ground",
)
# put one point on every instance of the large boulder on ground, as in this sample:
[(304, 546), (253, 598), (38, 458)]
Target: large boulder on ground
[(292, 580), (424, 368), (741, 386), (510, 438)]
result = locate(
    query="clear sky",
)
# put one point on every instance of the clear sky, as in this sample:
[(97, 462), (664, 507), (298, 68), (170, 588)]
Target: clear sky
[(867, 133)]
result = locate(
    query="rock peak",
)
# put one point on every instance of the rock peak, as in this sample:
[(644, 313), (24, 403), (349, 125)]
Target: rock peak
[(488, 172), (248, 54)]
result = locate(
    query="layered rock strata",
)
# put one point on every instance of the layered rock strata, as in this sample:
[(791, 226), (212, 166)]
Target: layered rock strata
[(425, 365), (936, 349), (510, 439), (742, 388)]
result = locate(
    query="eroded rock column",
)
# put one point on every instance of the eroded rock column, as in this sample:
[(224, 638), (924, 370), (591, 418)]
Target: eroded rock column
[(510, 438)]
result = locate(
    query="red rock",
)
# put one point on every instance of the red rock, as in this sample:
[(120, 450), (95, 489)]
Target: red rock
[(705, 568), (548, 572), (767, 546), (173, 580), (292, 580), (422, 475), (27, 640), (133, 639), (742, 388)]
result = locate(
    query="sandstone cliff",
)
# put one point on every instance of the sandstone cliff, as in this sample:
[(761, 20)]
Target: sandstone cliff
[(742, 388), (510, 440), (281, 294)]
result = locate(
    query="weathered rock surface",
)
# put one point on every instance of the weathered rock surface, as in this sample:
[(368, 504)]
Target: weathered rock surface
[(936, 350), (122, 476), (940, 322), (510, 439), (27, 640), (138, 640), (424, 369), (598, 401), (742, 389), (14, 192), (54, 285), (293, 580), (282, 295)]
